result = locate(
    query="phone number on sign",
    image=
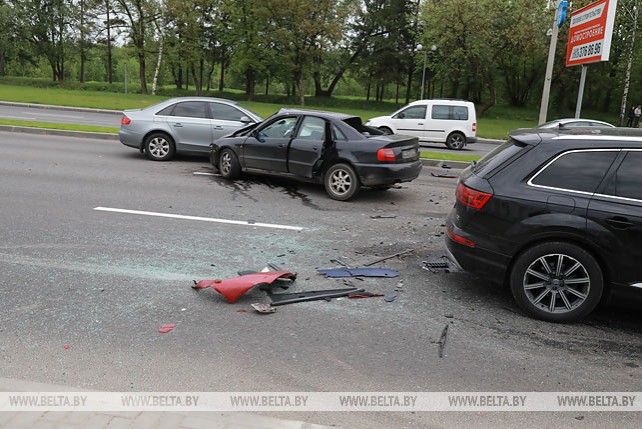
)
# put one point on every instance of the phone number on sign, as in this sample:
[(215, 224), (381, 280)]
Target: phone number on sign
[(588, 50)]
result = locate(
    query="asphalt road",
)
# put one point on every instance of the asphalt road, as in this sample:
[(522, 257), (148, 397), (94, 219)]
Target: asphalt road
[(59, 115), (112, 119), (103, 283)]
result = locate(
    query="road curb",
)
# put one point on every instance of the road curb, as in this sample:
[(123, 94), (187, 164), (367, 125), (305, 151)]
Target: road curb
[(53, 132), (70, 108), (444, 163)]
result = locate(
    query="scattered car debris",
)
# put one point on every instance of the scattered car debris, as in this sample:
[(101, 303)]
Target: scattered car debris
[(349, 271), (291, 298), (234, 287), (263, 308), (383, 217), (440, 266), (166, 328), (66, 347), (442, 341), (449, 316), (388, 257), (444, 176), (241, 311), (399, 286), (359, 295), (390, 296)]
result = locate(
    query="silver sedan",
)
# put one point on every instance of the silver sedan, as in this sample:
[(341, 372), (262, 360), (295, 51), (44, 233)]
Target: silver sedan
[(182, 125)]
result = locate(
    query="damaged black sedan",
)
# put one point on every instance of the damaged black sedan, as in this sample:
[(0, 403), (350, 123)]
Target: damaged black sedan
[(334, 149)]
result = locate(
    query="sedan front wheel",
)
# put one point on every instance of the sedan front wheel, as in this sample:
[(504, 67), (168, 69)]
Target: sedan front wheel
[(228, 164)]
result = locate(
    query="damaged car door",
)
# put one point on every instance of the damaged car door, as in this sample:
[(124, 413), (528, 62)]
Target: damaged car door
[(307, 146), (266, 148)]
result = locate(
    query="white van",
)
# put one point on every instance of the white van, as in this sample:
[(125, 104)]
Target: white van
[(453, 122)]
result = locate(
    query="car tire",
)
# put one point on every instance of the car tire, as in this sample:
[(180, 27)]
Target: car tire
[(456, 141), (159, 147), (385, 130), (557, 282), (228, 164), (341, 182)]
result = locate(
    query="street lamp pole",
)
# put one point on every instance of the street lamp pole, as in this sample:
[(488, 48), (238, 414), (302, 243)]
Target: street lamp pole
[(423, 75)]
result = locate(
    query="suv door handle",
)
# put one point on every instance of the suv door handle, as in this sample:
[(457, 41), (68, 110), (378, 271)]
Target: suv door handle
[(619, 222), (218, 127)]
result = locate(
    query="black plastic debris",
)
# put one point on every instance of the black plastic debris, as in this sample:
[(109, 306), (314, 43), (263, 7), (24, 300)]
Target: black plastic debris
[(291, 298), (442, 341), (444, 176), (349, 271)]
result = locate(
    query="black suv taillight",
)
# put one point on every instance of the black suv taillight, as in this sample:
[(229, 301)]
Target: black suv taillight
[(472, 198)]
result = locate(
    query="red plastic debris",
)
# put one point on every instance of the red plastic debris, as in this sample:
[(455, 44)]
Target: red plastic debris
[(359, 296), (234, 287), (66, 346), (166, 328), (241, 311)]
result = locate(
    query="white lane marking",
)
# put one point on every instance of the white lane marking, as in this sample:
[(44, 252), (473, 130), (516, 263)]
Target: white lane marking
[(203, 219), (200, 173)]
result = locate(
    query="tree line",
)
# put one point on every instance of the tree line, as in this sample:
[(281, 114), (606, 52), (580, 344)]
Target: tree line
[(486, 51)]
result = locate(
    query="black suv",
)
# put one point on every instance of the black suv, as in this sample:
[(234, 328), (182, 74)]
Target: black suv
[(557, 214)]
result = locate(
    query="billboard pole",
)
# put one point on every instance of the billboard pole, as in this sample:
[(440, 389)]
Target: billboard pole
[(580, 93), (543, 108)]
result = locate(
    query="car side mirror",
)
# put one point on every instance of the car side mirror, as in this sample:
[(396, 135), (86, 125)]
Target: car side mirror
[(401, 115), (257, 135), (246, 120)]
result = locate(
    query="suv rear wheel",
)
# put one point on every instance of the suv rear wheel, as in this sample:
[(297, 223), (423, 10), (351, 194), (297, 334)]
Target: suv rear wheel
[(557, 282)]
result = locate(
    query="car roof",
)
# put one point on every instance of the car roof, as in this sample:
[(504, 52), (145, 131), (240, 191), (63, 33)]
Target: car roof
[(555, 122), (320, 113), (442, 100), (197, 98), (615, 136)]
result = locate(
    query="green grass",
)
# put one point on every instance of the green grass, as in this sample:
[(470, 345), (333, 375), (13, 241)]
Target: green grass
[(57, 126), (446, 156)]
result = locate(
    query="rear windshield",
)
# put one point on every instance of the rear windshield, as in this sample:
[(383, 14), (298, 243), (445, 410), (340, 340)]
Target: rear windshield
[(497, 157), (355, 122)]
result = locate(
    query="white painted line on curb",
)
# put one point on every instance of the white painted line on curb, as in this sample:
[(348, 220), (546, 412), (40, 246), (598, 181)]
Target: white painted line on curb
[(200, 173), (203, 219)]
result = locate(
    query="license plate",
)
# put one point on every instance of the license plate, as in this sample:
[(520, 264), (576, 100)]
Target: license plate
[(409, 153)]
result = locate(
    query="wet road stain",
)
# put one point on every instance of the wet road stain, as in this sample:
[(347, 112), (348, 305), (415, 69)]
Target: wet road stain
[(244, 185)]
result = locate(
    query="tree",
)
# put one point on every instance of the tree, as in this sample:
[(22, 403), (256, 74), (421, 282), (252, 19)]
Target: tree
[(300, 30), (139, 15)]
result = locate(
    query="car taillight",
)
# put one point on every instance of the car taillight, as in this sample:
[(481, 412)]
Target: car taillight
[(386, 154), (459, 238), (125, 120), (474, 127), (472, 198)]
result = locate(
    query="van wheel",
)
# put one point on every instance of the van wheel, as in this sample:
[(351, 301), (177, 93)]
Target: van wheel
[(456, 141), (341, 182), (387, 131), (557, 282)]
